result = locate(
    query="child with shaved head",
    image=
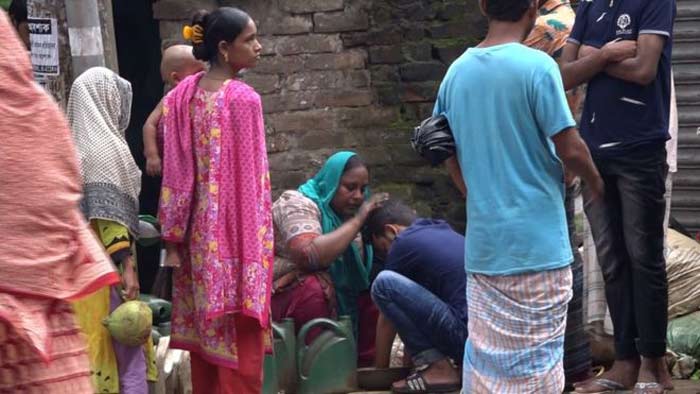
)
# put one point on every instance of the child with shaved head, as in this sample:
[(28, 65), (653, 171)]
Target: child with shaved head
[(177, 64)]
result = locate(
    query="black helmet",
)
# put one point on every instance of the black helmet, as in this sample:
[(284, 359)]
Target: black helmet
[(433, 140)]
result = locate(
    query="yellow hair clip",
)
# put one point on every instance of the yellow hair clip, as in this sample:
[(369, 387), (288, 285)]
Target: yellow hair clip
[(187, 33), (193, 33)]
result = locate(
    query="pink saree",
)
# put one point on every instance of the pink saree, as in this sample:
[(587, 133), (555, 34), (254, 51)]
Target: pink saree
[(216, 204)]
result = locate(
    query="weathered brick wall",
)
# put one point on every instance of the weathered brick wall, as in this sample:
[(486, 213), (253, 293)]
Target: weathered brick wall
[(352, 74)]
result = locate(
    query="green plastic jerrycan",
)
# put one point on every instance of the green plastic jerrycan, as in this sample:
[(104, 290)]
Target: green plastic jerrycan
[(155, 335), (280, 368), (161, 309), (329, 364), (164, 329), (270, 376), (285, 354), (149, 230)]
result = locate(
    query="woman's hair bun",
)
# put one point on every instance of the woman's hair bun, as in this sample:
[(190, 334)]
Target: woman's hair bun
[(199, 50), (222, 24)]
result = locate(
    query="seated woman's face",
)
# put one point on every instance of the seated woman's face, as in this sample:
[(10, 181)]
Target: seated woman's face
[(351, 192)]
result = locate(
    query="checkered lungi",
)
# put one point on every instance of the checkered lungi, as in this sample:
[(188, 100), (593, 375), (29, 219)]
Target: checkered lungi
[(516, 333)]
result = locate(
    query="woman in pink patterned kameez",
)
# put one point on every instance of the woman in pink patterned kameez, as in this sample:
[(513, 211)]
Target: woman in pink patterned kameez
[(215, 209)]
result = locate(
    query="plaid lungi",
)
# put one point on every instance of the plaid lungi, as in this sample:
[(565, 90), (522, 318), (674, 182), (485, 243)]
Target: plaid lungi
[(516, 333)]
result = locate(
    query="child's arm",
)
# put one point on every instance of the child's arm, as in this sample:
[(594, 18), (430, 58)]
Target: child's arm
[(150, 146)]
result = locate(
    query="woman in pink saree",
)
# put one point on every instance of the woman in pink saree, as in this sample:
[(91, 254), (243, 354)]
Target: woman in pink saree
[(215, 209)]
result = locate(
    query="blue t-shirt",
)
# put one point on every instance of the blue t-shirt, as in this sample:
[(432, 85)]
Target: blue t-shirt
[(504, 103), (431, 254), (620, 115)]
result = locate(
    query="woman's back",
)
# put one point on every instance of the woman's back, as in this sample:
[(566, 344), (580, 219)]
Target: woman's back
[(216, 202), (215, 208)]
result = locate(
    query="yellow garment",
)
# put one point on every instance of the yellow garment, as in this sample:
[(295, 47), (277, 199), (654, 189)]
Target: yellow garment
[(151, 368), (91, 310), (113, 235)]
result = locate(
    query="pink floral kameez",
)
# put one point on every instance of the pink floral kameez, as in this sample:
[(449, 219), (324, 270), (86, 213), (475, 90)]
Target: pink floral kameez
[(216, 203)]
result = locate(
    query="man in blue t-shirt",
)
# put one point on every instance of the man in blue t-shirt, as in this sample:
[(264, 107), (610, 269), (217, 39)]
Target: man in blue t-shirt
[(513, 128), (421, 294), (625, 124)]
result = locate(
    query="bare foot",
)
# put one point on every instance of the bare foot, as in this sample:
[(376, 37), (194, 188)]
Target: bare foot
[(655, 370), (593, 373), (623, 372), (438, 373), (579, 379)]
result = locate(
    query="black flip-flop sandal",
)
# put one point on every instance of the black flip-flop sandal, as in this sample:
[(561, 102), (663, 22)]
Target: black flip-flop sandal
[(595, 373), (416, 384), (608, 386)]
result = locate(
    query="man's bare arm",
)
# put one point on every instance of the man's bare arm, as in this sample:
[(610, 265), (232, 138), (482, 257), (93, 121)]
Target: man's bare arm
[(587, 50), (574, 153), (577, 70), (642, 68), (456, 174)]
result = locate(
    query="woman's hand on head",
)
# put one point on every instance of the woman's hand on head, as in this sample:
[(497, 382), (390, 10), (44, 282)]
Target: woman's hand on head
[(371, 204), (329, 246)]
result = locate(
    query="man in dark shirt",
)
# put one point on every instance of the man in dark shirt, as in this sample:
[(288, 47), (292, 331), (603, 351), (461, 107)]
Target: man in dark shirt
[(421, 293), (625, 124)]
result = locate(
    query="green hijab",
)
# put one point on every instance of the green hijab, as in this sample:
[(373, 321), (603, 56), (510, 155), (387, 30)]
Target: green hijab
[(349, 273)]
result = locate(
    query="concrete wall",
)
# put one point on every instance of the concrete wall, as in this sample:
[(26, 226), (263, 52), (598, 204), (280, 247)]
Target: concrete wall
[(351, 74)]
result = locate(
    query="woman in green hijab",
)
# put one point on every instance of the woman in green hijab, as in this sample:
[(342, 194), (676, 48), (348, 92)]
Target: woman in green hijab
[(322, 268)]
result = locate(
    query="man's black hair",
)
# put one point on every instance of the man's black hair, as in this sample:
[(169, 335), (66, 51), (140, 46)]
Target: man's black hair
[(507, 10), (391, 212)]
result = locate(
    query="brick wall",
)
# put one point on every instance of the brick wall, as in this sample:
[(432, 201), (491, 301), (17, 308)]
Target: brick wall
[(351, 74)]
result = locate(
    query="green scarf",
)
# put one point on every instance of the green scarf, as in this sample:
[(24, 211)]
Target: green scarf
[(349, 277)]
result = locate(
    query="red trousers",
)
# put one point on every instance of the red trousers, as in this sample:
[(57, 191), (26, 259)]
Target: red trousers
[(208, 378), (307, 301)]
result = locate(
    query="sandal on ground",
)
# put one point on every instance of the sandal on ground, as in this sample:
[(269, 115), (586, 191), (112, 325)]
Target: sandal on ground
[(598, 370), (606, 386), (416, 384), (595, 372), (649, 388)]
